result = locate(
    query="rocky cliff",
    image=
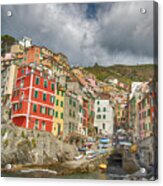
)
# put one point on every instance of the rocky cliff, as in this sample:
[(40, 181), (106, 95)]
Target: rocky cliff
[(24, 146)]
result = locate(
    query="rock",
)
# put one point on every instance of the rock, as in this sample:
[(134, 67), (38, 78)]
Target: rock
[(91, 167), (25, 146)]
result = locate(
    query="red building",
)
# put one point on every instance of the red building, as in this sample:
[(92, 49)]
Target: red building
[(32, 55), (33, 98)]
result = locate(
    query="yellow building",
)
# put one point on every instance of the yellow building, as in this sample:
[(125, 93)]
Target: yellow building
[(59, 111)]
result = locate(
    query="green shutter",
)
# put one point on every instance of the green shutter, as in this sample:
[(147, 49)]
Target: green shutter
[(62, 115), (45, 84), (41, 109), (44, 96), (52, 86), (62, 93), (74, 104), (37, 80), (34, 107), (61, 103), (57, 102), (36, 94)]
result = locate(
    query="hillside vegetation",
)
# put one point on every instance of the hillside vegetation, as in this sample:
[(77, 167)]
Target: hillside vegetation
[(123, 73)]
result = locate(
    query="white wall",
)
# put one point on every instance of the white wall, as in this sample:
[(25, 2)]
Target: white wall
[(109, 117)]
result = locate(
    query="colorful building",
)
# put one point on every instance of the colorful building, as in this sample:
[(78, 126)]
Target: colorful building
[(144, 114), (32, 55), (33, 98), (59, 111)]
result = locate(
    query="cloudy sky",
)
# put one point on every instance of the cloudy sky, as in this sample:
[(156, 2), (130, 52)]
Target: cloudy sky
[(107, 33)]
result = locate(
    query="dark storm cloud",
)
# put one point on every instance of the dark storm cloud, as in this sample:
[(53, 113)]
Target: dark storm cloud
[(107, 33)]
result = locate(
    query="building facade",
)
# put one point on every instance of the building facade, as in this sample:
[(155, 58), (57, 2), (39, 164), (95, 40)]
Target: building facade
[(71, 113), (33, 99), (104, 117), (59, 111)]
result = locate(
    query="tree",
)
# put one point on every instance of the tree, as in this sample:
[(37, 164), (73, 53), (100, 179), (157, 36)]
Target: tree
[(6, 42)]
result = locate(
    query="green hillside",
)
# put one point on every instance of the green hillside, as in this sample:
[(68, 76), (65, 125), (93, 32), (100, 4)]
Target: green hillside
[(123, 73)]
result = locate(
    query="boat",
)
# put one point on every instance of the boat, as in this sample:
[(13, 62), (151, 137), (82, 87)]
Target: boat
[(90, 154), (104, 140), (103, 166), (82, 149), (78, 157)]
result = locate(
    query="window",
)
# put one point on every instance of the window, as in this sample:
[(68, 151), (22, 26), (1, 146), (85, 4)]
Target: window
[(57, 102), (23, 71), (104, 109), (98, 102), (52, 86), (43, 110), (61, 104), (34, 108), (44, 96), (22, 83), (56, 114), (61, 115), (74, 104), (98, 116), (69, 127), (104, 116), (43, 125), (152, 102), (45, 83), (15, 106), (20, 105), (103, 126), (36, 125), (74, 114), (52, 99), (148, 112), (35, 94), (37, 80), (57, 92), (98, 109), (49, 111), (62, 93), (80, 109)]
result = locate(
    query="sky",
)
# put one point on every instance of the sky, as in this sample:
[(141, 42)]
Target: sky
[(87, 33)]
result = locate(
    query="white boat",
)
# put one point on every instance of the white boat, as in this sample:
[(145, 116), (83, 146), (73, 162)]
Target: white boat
[(78, 157)]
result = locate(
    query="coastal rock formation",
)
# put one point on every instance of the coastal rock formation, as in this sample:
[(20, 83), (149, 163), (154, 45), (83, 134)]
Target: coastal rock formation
[(25, 146)]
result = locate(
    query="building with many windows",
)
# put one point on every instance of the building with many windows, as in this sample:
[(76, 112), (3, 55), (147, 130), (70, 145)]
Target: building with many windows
[(71, 113), (59, 111), (33, 98), (104, 116)]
